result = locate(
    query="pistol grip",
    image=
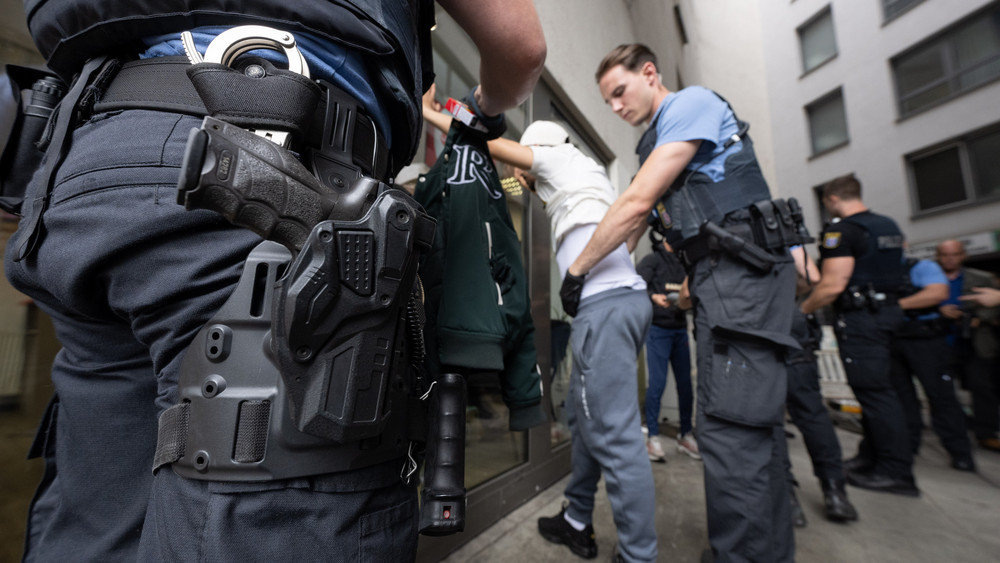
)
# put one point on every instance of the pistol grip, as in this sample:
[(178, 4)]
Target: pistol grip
[(252, 182)]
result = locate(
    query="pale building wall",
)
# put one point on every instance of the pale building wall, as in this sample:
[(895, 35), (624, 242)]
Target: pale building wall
[(878, 140), (724, 53)]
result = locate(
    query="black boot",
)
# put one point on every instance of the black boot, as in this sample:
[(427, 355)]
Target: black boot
[(905, 486), (838, 508), (859, 464)]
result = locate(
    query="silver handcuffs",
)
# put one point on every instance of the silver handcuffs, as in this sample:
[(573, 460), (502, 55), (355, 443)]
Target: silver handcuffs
[(236, 41)]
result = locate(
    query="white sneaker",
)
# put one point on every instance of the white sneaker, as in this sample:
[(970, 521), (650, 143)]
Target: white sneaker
[(686, 444), (655, 450)]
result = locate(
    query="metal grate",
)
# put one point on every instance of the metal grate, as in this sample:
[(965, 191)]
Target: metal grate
[(832, 378)]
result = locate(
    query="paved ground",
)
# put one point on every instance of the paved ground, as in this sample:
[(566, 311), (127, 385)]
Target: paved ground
[(955, 519)]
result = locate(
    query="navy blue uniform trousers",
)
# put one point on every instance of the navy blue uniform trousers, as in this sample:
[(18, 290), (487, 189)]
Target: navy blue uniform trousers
[(742, 327), (805, 407), (864, 338), (928, 359), (128, 277)]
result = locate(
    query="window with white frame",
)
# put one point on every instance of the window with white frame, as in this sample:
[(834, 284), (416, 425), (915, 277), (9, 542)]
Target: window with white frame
[(963, 57), (827, 122), (817, 40), (963, 170)]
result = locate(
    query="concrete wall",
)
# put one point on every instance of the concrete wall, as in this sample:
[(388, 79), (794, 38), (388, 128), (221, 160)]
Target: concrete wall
[(878, 139), (579, 34), (724, 53)]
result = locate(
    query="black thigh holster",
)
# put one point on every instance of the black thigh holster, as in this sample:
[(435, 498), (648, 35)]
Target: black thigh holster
[(304, 370)]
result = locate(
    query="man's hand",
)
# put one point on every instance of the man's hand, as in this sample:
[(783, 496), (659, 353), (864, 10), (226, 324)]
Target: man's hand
[(684, 296), (570, 292), (660, 300), (429, 101), (951, 312), (982, 296)]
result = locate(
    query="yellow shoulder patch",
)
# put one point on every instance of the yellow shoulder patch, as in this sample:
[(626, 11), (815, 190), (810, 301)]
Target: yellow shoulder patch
[(831, 240)]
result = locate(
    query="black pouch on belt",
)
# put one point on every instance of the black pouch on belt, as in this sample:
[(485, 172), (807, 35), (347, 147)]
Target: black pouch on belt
[(27, 98), (772, 224)]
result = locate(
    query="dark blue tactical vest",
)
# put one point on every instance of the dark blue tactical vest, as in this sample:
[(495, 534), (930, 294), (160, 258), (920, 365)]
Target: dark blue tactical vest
[(393, 36), (882, 264), (694, 197)]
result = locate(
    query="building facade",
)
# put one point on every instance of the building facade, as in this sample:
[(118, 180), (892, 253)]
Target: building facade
[(901, 93), (504, 469)]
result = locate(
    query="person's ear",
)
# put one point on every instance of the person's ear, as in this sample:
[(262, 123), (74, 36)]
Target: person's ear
[(650, 72)]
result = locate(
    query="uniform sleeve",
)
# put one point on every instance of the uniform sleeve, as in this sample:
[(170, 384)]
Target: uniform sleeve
[(841, 239), (926, 272), (695, 114)]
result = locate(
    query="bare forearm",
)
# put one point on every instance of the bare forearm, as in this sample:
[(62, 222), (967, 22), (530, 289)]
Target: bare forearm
[(836, 274), (633, 239), (509, 37), (628, 213), (511, 152), (623, 218), (438, 119), (929, 296), (822, 295), (983, 296)]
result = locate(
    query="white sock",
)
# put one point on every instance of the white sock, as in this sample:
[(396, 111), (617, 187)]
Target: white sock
[(578, 526)]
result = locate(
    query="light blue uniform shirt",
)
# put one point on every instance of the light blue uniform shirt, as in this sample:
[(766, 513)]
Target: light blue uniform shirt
[(924, 273), (698, 114)]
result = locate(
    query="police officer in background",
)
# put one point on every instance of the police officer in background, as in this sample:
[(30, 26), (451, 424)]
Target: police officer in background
[(698, 169), (920, 349), (863, 277), (129, 276), (805, 405)]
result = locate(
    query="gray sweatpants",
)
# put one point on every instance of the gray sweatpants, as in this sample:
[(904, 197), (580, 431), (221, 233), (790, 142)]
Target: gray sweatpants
[(603, 411)]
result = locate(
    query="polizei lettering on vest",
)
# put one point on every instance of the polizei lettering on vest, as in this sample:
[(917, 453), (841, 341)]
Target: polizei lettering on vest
[(890, 241)]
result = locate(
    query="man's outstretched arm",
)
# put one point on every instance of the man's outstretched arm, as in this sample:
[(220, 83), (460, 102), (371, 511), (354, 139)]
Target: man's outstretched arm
[(504, 150), (836, 273), (928, 296), (511, 44), (628, 213)]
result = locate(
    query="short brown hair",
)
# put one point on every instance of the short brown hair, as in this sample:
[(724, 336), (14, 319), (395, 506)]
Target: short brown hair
[(631, 56), (844, 187)]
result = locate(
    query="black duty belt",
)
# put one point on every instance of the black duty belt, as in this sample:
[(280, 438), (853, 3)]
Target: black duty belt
[(162, 84), (695, 248), (859, 298)]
